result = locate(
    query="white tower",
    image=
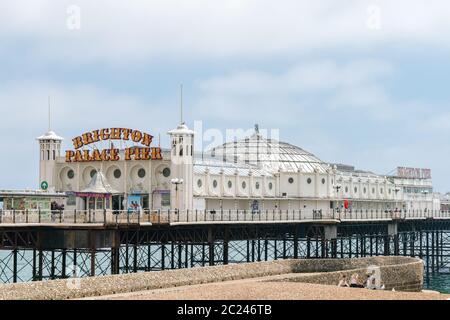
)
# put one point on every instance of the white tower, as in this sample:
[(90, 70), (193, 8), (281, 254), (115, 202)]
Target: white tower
[(182, 162), (49, 151), (182, 165)]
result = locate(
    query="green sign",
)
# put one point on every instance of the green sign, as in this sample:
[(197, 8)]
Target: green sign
[(44, 185)]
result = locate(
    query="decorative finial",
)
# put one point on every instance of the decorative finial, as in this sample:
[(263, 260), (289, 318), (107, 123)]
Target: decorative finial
[(257, 128)]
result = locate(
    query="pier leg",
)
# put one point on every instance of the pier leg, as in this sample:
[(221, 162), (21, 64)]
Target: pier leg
[(64, 261), (275, 246), (386, 246), (211, 247), (308, 247), (371, 245), (253, 250), (180, 254), (266, 249), (432, 252), (376, 245), (317, 246), (259, 249), (14, 265), (296, 243), (428, 256), (34, 265), (163, 256), (135, 258), (149, 257), (412, 245), (93, 262), (186, 255), (350, 246), (40, 267), (204, 255), (172, 255), (405, 244)]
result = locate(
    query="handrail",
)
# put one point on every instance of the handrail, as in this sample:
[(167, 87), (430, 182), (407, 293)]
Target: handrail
[(108, 216)]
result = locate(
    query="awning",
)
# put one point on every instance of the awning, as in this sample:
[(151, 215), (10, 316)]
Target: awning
[(97, 187)]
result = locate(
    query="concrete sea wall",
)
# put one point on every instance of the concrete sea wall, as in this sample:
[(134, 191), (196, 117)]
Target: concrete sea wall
[(402, 273)]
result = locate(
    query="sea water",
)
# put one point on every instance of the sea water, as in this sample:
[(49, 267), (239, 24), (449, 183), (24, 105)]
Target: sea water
[(438, 281)]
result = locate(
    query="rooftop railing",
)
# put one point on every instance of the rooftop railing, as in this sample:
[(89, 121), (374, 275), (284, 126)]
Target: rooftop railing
[(116, 217)]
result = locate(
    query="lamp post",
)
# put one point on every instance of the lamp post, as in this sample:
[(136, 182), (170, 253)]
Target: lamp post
[(337, 187), (176, 182)]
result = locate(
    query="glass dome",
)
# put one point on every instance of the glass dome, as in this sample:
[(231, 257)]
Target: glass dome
[(269, 154)]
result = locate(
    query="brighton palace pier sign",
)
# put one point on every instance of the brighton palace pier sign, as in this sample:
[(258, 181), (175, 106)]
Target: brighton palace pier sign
[(112, 154)]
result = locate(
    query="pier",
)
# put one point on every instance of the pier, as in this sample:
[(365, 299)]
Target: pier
[(39, 246)]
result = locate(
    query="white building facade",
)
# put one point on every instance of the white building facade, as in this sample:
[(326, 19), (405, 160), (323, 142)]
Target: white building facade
[(254, 173)]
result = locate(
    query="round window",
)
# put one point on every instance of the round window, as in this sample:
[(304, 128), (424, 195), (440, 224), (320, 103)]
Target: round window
[(244, 185), (270, 185), (215, 183), (257, 185), (356, 189), (199, 183), (291, 180), (93, 173), (364, 190), (70, 174), (117, 173), (166, 172), (230, 184), (381, 190), (309, 180), (141, 173), (323, 180), (346, 189), (373, 190), (390, 191)]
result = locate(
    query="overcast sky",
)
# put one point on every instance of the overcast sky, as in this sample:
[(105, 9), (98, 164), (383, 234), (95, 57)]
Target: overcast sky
[(358, 82)]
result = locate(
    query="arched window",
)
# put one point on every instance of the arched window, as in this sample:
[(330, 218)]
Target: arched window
[(181, 151), (54, 155), (48, 154)]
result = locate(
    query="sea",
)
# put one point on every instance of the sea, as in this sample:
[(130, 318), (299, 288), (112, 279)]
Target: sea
[(436, 281)]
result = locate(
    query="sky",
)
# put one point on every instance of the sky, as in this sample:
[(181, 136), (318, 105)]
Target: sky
[(358, 82)]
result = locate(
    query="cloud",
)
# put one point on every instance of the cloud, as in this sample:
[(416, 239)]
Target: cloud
[(129, 33), (352, 85)]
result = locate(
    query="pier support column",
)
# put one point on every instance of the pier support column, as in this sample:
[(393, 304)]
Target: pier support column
[(392, 233), (211, 246), (225, 246), (330, 236), (115, 254), (296, 243)]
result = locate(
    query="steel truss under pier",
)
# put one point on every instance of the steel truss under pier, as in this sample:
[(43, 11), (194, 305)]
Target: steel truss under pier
[(35, 253)]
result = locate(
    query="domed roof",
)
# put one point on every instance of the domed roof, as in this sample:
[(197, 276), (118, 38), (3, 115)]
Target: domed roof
[(50, 135), (269, 154)]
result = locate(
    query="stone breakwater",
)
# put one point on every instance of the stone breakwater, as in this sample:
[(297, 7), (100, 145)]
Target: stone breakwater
[(402, 273)]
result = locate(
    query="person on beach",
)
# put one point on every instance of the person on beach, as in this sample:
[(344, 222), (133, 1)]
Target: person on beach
[(369, 281), (354, 281), (343, 282)]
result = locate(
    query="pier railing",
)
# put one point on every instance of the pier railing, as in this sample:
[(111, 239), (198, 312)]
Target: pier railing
[(205, 216)]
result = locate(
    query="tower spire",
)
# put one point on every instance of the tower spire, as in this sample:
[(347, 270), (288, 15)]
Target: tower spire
[(181, 103), (49, 115)]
